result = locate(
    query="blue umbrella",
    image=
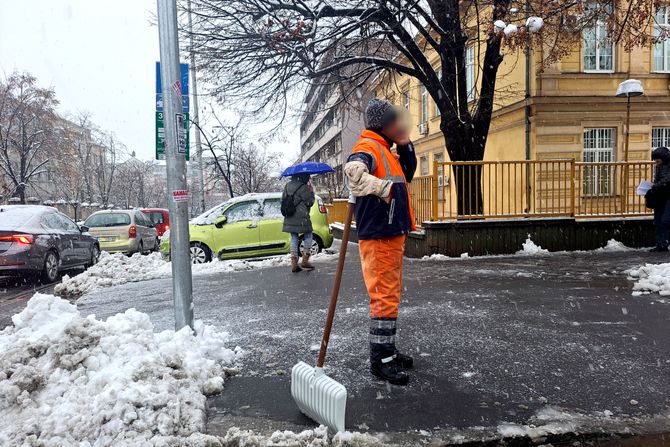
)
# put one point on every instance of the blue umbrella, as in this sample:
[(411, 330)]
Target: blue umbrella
[(308, 167)]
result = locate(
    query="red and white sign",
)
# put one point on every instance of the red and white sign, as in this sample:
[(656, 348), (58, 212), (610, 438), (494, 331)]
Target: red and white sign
[(180, 195)]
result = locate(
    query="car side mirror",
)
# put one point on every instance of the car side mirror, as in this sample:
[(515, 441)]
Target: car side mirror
[(220, 221), (83, 228)]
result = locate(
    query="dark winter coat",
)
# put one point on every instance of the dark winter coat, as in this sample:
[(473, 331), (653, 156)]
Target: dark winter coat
[(376, 219), (662, 172), (303, 197)]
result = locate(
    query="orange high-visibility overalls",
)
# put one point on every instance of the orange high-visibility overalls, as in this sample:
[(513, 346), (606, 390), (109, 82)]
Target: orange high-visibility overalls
[(382, 229)]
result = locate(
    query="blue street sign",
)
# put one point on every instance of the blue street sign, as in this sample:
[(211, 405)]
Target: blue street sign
[(183, 69)]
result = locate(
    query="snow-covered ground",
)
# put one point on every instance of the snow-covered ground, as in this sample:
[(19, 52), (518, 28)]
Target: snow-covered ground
[(67, 380), (116, 269), (530, 248)]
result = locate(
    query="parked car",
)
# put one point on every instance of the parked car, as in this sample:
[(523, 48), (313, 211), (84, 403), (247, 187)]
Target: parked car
[(249, 226), (125, 231), (39, 239), (160, 218)]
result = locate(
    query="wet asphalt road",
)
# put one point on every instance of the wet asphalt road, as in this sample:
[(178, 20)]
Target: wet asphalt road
[(496, 340), (15, 293)]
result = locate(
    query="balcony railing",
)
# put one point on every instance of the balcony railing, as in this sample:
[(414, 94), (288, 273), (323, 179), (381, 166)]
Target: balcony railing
[(535, 188)]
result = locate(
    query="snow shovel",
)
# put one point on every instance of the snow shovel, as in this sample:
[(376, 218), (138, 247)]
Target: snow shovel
[(317, 395)]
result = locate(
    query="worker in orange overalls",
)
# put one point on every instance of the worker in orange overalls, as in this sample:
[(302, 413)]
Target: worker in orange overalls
[(377, 177)]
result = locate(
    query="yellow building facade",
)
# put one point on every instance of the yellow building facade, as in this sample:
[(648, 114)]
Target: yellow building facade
[(571, 107)]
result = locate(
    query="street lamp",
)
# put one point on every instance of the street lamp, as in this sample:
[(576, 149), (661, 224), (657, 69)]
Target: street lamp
[(628, 89)]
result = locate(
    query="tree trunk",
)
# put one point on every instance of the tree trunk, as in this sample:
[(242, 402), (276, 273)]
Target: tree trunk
[(462, 146), (468, 181)]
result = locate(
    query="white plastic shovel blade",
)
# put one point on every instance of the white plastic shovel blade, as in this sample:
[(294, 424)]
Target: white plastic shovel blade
[(318, 396)]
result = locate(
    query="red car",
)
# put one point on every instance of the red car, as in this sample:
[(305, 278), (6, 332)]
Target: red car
[(160, 218)]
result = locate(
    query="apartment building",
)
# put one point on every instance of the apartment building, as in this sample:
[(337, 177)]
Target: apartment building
[(329, 127), (571, 107)]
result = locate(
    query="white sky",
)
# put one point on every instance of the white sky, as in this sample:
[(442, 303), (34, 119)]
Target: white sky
[(99, 56)]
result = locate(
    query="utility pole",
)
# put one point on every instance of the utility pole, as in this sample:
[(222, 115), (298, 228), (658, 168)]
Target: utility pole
[(198, 146), (175, 155)]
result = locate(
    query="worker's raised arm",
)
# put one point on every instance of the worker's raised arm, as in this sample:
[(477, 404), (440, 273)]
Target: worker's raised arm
[(361, 182), (407, 160)]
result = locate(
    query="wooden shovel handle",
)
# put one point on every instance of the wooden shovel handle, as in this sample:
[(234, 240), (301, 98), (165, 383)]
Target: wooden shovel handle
[(336, 286)]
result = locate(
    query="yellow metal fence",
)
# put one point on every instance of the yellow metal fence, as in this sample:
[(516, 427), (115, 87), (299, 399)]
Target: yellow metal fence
[(529, 188)]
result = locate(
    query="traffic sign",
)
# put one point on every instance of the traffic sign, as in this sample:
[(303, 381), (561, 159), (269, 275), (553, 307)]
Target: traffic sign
[(182, 130), (183, 136)]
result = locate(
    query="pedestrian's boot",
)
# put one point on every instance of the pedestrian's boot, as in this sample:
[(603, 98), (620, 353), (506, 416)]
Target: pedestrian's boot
[(383, 362), (390, 372), (403, 360), (305, 262), (295, 268)]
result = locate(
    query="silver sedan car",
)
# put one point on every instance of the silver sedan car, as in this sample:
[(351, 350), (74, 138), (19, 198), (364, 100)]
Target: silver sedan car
[(39, 239)]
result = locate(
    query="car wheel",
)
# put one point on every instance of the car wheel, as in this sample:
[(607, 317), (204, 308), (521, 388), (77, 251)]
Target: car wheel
[(95, 256), (200, 253), (315, 248), (157, 245), (140, 248), (50, 269)]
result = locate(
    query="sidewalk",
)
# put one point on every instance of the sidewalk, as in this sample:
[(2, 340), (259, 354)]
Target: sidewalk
[(504, 346)]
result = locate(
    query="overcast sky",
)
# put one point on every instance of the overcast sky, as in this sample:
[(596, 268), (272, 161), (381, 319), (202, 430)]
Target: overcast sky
[(99, 56)]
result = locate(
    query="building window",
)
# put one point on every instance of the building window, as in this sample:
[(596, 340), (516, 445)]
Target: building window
[(662, 32), (598, 148), (470, 72), (660, 137), (598, 50), (424, 104), (406, 98), (439, 158), (423, 165)]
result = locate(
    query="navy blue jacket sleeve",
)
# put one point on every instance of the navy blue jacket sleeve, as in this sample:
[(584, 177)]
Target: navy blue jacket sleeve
[(363, 157), (407, 160)]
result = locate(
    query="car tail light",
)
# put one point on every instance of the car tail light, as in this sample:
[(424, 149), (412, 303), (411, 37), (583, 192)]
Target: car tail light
[(322, 207), (132, 232), (23, 239), (167, 227)]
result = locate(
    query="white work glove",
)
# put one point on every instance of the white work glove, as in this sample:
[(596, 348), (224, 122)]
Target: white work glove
[(362, 183)]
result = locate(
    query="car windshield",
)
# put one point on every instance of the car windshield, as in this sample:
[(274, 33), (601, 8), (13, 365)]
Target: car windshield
[(108, 220), (155, 216)]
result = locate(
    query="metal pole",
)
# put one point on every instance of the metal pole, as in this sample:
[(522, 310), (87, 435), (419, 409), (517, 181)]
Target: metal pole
[(182, 288), (198, 145), (624, 193)]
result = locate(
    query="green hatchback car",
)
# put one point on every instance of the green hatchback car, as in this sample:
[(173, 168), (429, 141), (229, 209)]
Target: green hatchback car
[(249, 226)]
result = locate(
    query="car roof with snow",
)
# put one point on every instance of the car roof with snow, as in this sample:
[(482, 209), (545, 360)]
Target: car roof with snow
[(208, 217), (15, 217)]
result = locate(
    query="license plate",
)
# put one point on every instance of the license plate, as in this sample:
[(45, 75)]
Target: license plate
[(105, 238)]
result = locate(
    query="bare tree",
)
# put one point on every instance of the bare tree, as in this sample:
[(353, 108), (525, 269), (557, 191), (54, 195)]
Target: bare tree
[(27, 130), (256, 170), (223, 142), (105, 166), (257, 53)]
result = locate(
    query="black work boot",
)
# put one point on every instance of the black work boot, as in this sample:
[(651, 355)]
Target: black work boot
[(404, 361), (390, 372)]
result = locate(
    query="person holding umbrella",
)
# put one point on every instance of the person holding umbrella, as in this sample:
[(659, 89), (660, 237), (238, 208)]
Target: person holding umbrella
[(297, 200), (378, 179)]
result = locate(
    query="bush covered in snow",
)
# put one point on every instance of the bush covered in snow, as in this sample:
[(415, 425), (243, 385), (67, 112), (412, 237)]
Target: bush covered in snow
[(67, 380)]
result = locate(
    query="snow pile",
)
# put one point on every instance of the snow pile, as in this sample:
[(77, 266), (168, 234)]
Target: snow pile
[(615, 246), (651, 278), (70, 380), (530, 248), (545, 422), (116, 269), (113, 270), (308, 438)]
